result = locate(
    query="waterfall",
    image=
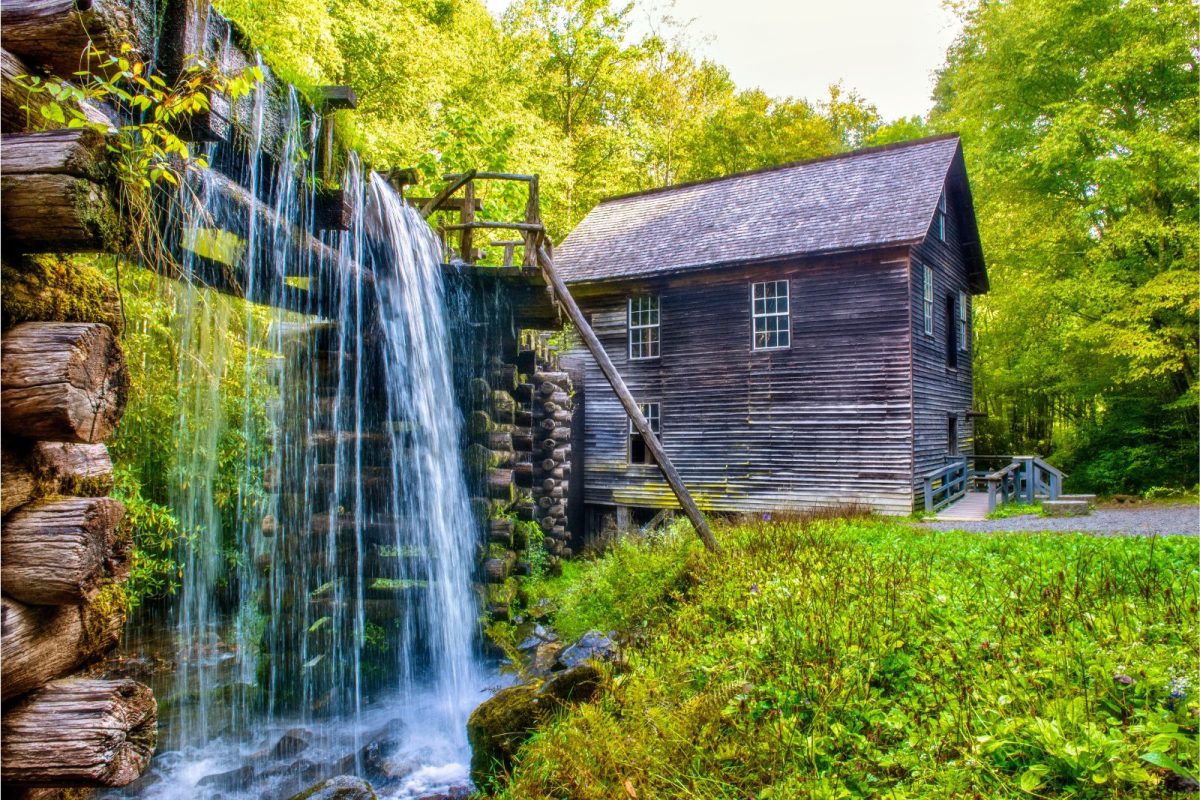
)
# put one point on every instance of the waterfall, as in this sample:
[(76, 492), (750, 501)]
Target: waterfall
[(328, 623)]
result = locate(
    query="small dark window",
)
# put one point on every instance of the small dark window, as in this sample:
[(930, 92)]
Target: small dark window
[(638, 452), (951, 333), (952, 435), (964, 321), (941, 217)]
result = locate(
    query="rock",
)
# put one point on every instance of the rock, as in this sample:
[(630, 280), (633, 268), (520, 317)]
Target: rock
[(301, 768), (545, 657), (537, 637), (372, 758), (238, 778), (294, 742), (579, 684), (499, 726), (343, 787), (453, 793), (1066, 508), (592, 646)]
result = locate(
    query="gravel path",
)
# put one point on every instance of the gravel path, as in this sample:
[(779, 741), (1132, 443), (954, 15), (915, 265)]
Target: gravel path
[(1164, 520)]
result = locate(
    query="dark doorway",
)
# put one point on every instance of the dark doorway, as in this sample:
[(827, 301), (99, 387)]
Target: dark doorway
[(952, 435)]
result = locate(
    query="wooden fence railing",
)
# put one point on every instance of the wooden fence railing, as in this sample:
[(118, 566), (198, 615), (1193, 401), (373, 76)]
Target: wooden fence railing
[(944, 486), (1023, 478)]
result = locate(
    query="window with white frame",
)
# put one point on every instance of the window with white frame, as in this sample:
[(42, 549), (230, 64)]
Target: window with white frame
[(928, 299), (638, 452), (963, 321), (941, 216), (643, 327), (772, 315)]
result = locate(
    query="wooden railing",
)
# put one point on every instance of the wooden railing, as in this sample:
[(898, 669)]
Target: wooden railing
[(1026, 479), (944, 486), (1023, 478)]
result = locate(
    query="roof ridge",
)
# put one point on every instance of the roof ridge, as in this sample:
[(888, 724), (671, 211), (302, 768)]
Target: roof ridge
[(790, 165)]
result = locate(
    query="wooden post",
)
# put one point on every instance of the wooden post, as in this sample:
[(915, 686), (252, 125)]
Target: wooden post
[(563, 296), (467, 218), (532, 217)]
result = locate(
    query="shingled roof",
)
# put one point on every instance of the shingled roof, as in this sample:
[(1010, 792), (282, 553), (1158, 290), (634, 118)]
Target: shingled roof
[(866, 199)]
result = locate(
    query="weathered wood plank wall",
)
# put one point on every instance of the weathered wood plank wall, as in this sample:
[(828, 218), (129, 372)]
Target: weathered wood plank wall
[(826, 421), (938, 389)]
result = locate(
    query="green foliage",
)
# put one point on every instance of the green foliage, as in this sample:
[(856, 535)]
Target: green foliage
[(872, 659), (1079, 122), (158, 539), (195, 430), (1017, 509)]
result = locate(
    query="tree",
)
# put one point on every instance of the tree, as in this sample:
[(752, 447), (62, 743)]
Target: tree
[(1079, 121)]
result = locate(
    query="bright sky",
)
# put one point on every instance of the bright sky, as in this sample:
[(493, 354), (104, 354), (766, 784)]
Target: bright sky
[(886, 49)]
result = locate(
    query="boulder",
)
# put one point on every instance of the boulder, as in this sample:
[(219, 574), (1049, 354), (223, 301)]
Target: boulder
[(234, 779), (537, 637), (1066, 508), (592, 646), (292, 743), (579, 684), (343, 787), (499, 726)]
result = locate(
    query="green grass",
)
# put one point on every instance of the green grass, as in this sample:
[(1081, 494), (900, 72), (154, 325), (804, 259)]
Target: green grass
[(1014, 510), (841, 659)]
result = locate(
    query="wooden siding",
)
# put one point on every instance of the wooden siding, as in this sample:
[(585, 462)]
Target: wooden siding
[(939, 390), (825, 421)]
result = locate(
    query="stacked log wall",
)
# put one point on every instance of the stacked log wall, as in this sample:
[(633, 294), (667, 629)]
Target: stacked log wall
[(66, 553), (63, 387)]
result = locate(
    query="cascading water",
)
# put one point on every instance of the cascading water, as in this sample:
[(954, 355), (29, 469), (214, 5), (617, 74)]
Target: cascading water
[(329, 625)]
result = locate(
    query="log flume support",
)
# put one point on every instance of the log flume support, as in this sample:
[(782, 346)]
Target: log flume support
[(60, 551), (79, 732), (65, 381), (562, 296), (41, 643), (56, 34)]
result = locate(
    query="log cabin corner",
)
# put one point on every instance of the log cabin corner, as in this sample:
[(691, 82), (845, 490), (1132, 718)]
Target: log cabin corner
[(799, 336)]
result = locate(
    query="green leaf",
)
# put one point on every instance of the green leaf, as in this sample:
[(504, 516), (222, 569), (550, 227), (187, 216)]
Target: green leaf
[(1166, 762)]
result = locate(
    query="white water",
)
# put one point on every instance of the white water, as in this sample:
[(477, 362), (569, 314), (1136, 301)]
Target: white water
[(365, 634)]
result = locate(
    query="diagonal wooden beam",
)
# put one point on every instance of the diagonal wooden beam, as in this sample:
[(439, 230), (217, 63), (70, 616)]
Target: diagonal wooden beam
[(563, 295), (451, 187)]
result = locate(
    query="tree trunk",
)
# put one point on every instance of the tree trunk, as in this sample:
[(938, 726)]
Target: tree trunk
[(80, 732), (70, 151), (60, 552), (41, 643), (17, 484), (82, 470), (62, 380), (45, 213), (55, 34)]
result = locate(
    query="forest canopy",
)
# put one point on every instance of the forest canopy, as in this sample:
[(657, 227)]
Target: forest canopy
[(1079, 124)]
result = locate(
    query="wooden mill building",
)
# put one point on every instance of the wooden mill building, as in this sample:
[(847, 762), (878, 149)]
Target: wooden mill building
[(799, 335)]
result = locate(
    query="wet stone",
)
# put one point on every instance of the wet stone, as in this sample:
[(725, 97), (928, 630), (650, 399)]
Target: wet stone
[(343, 787), (233, 779), (453, 793), (292, 743), (592, 646)]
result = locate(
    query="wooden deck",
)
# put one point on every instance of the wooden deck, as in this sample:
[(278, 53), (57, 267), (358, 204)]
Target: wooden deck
[(971, 508)]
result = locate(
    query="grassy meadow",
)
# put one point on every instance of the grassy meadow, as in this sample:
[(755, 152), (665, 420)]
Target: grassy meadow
[(866, 658)]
